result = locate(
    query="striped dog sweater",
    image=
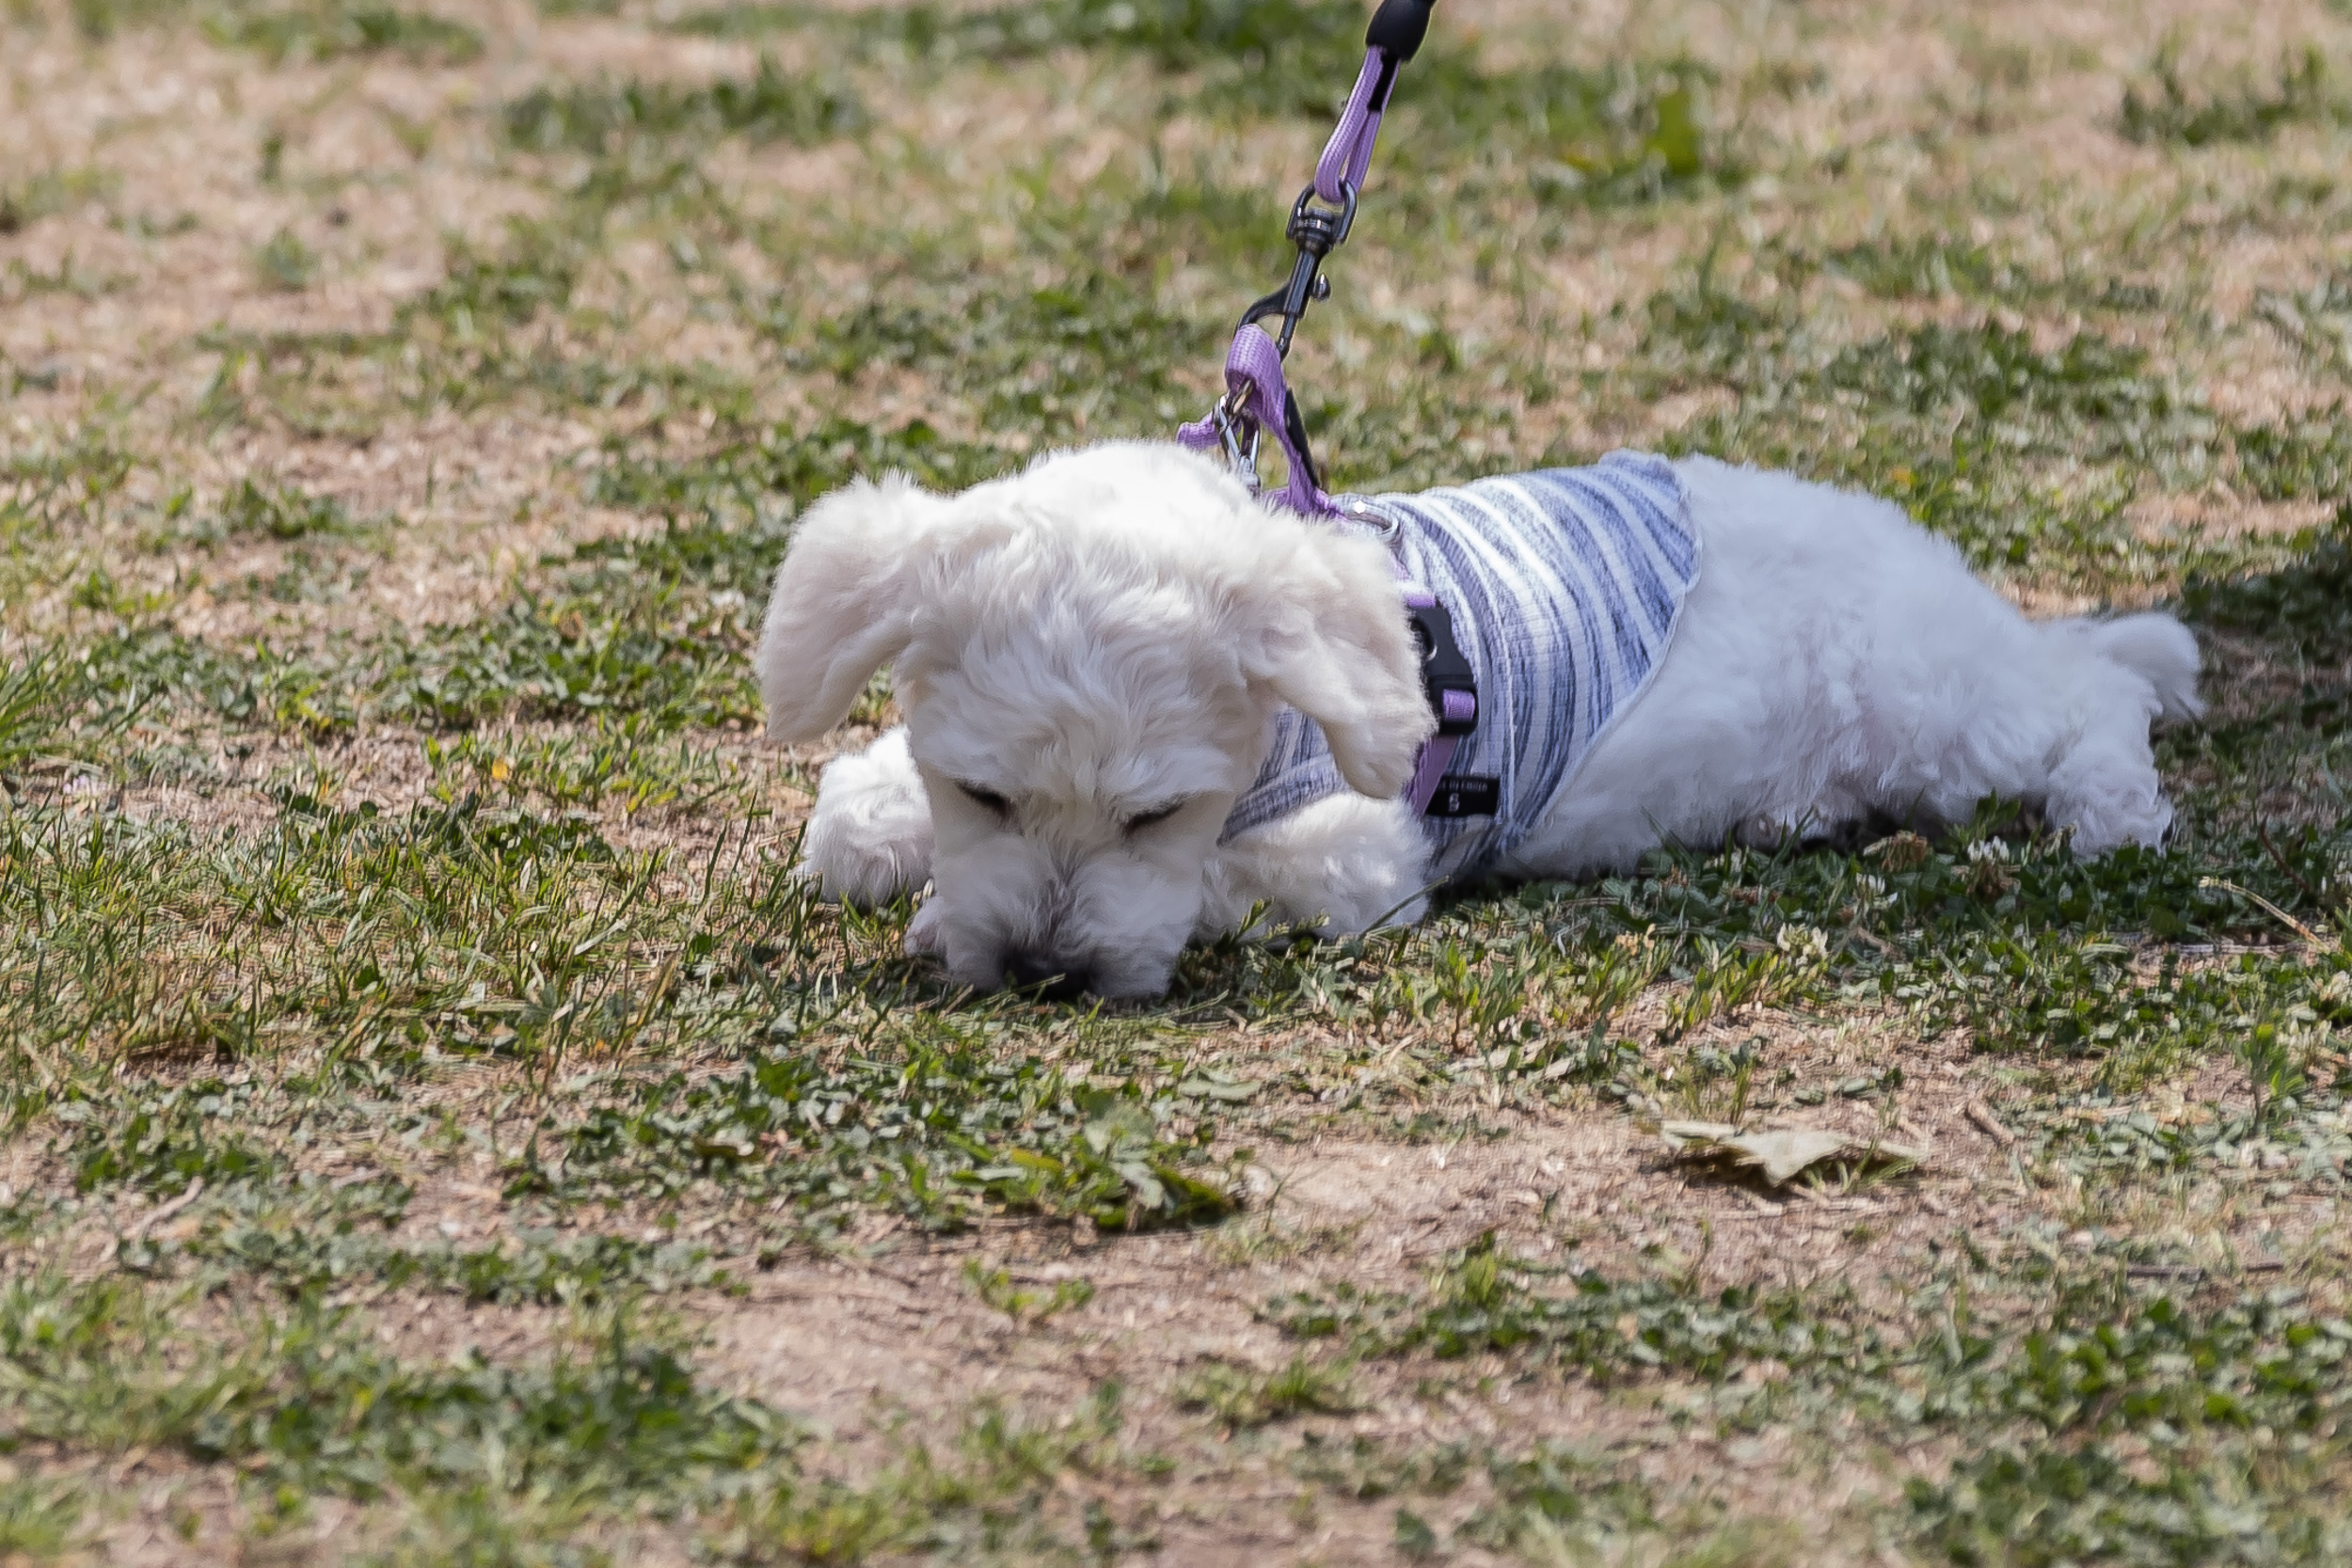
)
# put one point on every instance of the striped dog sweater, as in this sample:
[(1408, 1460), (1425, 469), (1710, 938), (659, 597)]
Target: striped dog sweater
[(1564, 586)]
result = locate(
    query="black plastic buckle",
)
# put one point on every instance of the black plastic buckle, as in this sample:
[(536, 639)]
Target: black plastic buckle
[(1443, 668)]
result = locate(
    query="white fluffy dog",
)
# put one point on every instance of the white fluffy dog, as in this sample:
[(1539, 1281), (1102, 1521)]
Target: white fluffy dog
[(1090, 657)]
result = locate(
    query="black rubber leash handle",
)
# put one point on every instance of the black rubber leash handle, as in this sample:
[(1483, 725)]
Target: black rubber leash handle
[(1397, 28), (1399, 25)]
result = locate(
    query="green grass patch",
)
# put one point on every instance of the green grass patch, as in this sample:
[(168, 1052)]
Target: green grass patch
[(990, 1488), (1286, 55), (533, 1266), (1931, 266), (26, 201), (621, 759), (424, 962), (2100, 1423), (940, 1133), (536, 272), (754, 480), (1627, 133), (142, 666), (2301, 459), (1604, 1328), (282, 512), (39, 1520), (49, 482), (1089, 356), (2024, 455), (305, 1400), (2151, 1432), (602, 642), (331, 29), (2167, 113), (1243, 1397), (285, 263), (2305, 608), (597, 117), (49, 714)]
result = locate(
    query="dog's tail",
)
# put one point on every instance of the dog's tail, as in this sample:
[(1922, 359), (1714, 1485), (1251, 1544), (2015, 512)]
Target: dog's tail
[(2155, 647)]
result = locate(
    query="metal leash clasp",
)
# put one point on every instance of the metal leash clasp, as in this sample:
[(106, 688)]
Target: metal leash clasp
[(1230, 415), (1316, 232), (1316, 229)]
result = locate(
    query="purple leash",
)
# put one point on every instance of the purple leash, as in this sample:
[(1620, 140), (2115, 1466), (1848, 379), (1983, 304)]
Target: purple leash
[(1257, 398), (1393, 38)]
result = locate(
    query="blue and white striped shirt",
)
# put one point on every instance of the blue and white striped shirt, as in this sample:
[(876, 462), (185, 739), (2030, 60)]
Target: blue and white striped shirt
[(1564, 586)]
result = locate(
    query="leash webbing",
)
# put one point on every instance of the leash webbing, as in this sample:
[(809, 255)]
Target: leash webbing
[(1256, 396), (1393, 38)]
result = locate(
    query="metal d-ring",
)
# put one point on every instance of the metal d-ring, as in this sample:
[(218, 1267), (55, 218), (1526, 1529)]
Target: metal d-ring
[(1227, 413), (1316, 232), (1311, 227)]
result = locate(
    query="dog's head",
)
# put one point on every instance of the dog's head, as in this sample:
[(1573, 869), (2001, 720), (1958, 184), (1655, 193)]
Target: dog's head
[(1089, 655)]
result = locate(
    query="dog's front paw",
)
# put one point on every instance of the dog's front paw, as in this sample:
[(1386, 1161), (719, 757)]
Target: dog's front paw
[(924, 938), (870, 838), (1342, 865)]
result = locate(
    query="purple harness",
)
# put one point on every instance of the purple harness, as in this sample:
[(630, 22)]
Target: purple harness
[(1257, 399)]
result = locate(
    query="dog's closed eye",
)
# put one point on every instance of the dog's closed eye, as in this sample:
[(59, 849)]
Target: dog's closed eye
[(986, 799), (1156, 816)]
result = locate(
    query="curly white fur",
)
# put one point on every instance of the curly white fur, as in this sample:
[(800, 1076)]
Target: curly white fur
[(1088, 654)]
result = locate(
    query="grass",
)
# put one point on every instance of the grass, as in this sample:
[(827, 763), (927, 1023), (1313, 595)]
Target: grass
[(442, 1128), (328, 30), (302, 1398), (2207, 1402), (2169, 112), (595, 120), (1242, 1398)]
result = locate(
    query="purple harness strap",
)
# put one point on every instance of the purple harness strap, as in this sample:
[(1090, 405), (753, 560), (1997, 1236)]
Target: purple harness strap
[(1253, 383), (1455, 706)]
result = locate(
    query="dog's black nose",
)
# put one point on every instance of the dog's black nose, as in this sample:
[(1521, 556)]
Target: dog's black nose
[(1059, 983)]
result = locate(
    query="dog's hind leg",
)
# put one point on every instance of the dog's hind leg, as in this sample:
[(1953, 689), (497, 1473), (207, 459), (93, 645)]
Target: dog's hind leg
[(2107, 789), (2102, 781), (869, 837)]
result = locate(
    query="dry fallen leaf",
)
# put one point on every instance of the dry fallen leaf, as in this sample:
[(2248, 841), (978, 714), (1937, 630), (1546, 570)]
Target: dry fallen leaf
[(1780, 1154)]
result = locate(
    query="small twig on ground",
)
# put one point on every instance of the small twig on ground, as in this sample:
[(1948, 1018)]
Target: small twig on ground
[(2192, 1272), (2280, 915), (1886, 948), (161, 1212), (1981, 1114)]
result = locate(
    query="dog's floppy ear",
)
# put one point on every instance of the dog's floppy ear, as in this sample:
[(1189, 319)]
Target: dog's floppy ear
[(1332, 641), (843, 607)]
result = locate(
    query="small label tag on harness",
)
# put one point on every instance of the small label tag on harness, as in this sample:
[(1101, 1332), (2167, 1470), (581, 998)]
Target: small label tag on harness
[(1466, 795)]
